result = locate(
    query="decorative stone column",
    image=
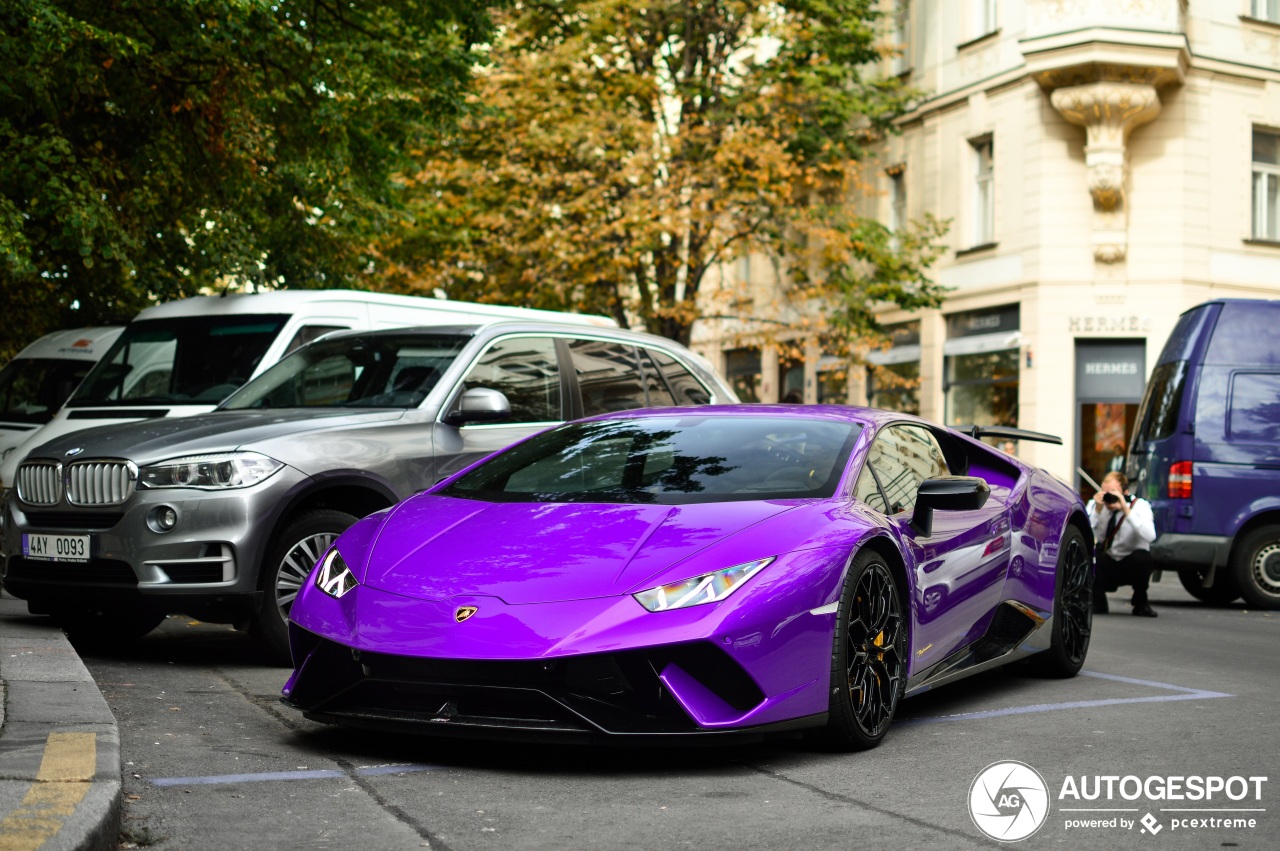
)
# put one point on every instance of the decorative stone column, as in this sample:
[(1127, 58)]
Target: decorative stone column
[(1108, 111)]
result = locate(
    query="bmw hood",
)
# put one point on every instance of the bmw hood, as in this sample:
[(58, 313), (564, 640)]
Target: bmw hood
[(434, 547), (149, 441)]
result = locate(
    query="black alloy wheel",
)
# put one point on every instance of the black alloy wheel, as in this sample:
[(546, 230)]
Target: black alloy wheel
[(869, 656), (1072, 624)]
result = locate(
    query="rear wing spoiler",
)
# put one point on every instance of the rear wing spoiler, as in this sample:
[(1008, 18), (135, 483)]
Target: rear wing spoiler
[(978, 432)]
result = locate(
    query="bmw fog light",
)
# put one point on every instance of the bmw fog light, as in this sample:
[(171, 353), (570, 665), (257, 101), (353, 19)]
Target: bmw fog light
[(334, 577), (162, 518), (708, 588)]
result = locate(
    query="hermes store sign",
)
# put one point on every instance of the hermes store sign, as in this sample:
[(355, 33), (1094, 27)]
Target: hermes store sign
[(1109, 324)]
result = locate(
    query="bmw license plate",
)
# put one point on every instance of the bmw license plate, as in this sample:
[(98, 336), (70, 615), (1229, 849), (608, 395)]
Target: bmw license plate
[(56, 547)]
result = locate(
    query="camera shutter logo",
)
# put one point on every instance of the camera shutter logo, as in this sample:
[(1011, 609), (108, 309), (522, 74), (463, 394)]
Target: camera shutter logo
[(1009, 801)]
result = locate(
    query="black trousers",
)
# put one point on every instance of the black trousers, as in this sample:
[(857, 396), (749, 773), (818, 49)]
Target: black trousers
[(1134, 569)]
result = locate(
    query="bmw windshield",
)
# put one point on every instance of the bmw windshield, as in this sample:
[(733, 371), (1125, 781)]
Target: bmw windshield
[(355, 371)]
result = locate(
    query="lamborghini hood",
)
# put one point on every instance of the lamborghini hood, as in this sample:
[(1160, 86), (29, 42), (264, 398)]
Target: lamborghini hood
[(435, 547)]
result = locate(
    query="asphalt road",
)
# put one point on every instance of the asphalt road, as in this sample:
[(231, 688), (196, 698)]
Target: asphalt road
[(213, 761)]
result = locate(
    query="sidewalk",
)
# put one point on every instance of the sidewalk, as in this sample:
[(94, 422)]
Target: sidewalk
[(59, 744)]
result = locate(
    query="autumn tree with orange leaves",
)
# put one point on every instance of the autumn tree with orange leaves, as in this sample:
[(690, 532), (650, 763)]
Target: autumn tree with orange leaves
[(618, 150)]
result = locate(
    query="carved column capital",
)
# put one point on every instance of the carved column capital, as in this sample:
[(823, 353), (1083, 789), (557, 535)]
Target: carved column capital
[(1108, 111)]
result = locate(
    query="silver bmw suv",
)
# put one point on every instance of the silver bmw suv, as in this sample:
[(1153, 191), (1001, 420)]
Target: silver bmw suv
[(222, 516)]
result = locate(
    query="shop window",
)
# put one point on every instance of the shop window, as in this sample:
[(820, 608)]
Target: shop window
[(982, 388), (742, 368), (895, 387), (791, 382), (1266, 183)]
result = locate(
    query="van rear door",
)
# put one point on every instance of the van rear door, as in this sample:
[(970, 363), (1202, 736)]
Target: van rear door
[(1164, 433)]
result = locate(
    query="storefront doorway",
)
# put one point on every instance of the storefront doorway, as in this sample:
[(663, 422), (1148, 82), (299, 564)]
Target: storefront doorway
[(1110, 377)]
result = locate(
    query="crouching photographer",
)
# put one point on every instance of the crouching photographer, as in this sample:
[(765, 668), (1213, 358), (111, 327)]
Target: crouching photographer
[(1124, 527)]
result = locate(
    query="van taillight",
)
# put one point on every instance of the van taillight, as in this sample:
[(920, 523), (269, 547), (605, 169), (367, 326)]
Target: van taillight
[(1180, 480)]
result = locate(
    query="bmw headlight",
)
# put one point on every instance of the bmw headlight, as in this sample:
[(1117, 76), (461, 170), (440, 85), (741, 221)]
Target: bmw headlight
[(210, 472), (334, 577), (708, 588)]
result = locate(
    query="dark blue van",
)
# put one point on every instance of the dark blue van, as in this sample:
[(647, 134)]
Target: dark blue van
[(1206, 452)]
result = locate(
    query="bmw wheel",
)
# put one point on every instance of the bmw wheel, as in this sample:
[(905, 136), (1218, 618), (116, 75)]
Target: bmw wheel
[(1255, 561), (1072, 624), (290, 559), (869, 656)]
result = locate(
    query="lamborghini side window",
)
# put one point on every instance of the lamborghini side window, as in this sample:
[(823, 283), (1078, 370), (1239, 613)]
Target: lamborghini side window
[(867, 488), (902, 457)]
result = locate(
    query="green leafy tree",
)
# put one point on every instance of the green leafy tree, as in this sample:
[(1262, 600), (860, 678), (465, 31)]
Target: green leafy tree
[(151, 148), (621, 149)]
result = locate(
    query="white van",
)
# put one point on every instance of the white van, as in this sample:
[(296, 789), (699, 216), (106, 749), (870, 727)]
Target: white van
[(184, 357), (40, 378)]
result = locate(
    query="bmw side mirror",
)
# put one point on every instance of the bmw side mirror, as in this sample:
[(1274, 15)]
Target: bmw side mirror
[(947, 493), (479, 405)]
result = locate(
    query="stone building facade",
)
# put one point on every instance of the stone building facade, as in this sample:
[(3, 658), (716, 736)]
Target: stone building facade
[(1105, 165)]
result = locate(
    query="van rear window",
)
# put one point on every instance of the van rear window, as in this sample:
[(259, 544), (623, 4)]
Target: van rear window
[(1158, 416)]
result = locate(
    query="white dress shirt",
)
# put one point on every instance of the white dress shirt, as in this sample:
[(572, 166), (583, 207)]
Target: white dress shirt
[(1136, 532)]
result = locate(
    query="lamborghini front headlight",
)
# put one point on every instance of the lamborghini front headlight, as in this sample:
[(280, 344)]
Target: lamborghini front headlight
[(333, 576), (707, 588)]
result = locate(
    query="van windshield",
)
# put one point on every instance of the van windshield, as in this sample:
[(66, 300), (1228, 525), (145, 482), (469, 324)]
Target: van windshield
[(194, 360), (354, 371), (31, 389), (1158, 416)]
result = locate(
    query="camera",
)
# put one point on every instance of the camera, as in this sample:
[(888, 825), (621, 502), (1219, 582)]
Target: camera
[(1110, 498)]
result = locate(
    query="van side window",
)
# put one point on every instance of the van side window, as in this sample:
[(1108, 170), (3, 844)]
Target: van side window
[(526, 371), (1254, 412), (608, 375), (307, 333), (687, 389)]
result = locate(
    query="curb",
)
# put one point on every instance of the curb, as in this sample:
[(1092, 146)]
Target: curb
[(60, 787)]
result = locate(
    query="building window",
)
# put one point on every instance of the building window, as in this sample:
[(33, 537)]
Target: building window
[(1266, 10), (1266, 184), (897, 198), (984, 206), (895, 387), (984, 17), (901, 36)]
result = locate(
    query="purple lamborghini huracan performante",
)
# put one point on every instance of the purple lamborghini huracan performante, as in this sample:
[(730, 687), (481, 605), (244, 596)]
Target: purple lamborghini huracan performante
[(697, 572)]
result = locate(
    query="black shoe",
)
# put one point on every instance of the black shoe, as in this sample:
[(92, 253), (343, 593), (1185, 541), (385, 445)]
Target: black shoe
[(1144, 610), (1100, 606)]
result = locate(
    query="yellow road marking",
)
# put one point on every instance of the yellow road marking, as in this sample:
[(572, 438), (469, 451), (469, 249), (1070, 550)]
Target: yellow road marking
[(66, 772)]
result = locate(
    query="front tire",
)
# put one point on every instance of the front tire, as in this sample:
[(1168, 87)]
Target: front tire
[(1255, 563), (292, 555), (868, 656), (1072, 610)]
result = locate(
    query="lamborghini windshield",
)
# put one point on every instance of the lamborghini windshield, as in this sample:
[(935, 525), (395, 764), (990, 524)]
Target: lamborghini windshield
[(668, 460)]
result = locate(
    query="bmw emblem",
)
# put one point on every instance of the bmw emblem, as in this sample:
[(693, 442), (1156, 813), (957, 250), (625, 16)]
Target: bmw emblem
[(464, 612), (75, 451)]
